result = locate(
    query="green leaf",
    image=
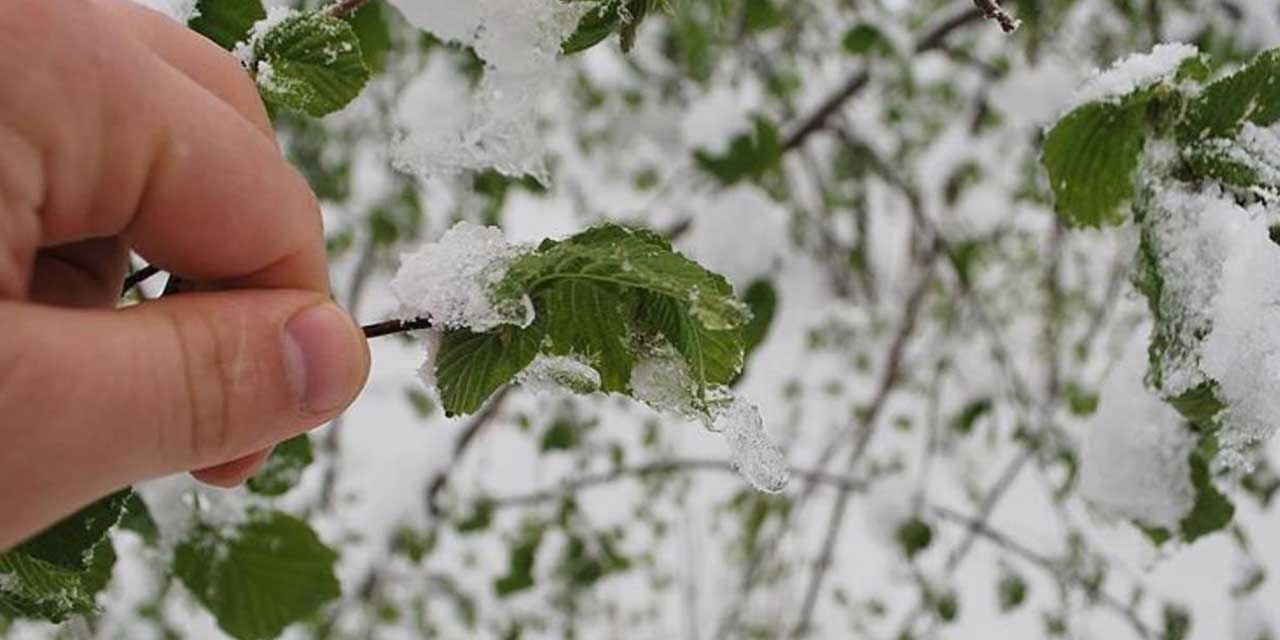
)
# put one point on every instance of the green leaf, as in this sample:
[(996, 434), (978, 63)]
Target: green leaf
[(310, 63), (284, 468), (137, 518), (750, 155), (864, 39), (472, 366), (261, 577), (1199, 405), (762, 15), (914, 536), (963, 422), (613, 16), (714, 357), (629, 259), (523, 553), (562, 435), (585, 319), (1212, 510), (33, 588), (1251, 94), (1217, 163), (762, 300), (1177, 622), (1011, 591), (70, 544), (227, 22), (1091, 156), (374, 32)]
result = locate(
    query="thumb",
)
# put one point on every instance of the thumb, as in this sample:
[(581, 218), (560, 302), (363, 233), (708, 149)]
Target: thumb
[(91, 401)]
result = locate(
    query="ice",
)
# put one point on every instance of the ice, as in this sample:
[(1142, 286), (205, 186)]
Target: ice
[(557, 374), (662, 381), (1242, 352), (519, 41), (181, 10), (449, 281), (753, 454), (1134, 72), (1136, 454)]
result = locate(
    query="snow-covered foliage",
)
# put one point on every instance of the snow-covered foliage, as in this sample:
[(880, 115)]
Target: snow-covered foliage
[(518, 40), (1135, 462), (449, 281)]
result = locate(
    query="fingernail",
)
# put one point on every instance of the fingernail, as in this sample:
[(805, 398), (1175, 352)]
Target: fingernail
[(323, 359)]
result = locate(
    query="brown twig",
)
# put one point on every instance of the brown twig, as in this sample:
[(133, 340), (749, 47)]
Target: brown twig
[(392, 327), (991, 10), (344, 8)]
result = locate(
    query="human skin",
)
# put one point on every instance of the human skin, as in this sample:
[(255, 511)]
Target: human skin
[(120, 130)]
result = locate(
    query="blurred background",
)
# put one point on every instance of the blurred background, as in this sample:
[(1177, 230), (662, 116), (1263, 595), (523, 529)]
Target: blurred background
[(930, 347)]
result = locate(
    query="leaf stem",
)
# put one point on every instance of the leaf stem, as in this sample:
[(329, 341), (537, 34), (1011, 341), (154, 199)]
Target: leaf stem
[(991, 10)]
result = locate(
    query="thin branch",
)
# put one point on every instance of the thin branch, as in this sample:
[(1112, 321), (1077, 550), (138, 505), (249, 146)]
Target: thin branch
[(138, 277), (469, 433), (1054, 569), (991, 10), (392, 327), (345, 8), (859, 79), (888, 381), (662, 467)]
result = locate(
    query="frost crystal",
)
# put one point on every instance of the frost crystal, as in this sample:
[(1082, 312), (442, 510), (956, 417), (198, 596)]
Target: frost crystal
[(753, 454), (449, 281), (1242, 353), (550, 374), (1137, 448), (1136, 71), (519, 41)]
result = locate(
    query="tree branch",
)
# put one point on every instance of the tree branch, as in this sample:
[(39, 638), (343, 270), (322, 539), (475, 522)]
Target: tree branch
[(661, 467), (344, 8), (858, 80), (991, 10)]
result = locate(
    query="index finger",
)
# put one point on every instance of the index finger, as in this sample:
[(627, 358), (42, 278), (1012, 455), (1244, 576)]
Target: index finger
[(133, 147)]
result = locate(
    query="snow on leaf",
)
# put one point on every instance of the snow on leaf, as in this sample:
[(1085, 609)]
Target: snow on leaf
[(450, 281), (519, 41), (1135, 458)]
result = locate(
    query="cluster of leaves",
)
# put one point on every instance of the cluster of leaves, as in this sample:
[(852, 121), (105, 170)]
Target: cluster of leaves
[(607, 296), (1094, 158)]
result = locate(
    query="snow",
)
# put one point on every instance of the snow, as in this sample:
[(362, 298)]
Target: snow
[(1135, 462), (1134, 72), (559, 374), (181, 10), (1257, 148), (1242, 352), (1187, 236), (519, 41), (448, 281)]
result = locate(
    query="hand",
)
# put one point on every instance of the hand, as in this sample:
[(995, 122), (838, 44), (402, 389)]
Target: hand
[(121, 130)]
